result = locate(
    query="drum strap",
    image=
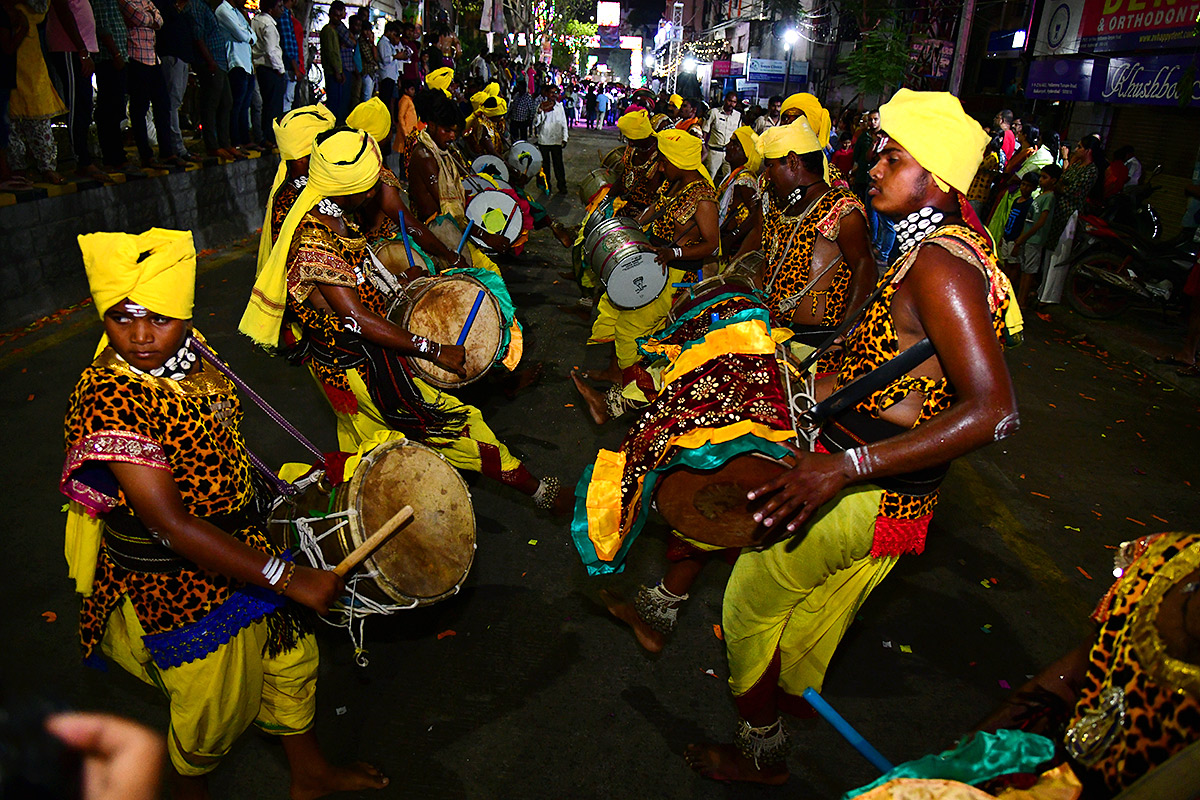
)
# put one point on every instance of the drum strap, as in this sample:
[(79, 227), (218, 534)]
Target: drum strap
[(132, 546), (866, 385)]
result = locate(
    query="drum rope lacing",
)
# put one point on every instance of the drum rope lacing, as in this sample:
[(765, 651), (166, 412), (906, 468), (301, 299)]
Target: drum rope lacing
[(806, 394)]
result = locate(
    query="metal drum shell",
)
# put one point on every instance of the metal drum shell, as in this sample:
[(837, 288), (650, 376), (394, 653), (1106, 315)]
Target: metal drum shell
[(593, 182), (608, 249), (480, 356), (707, 290), (612, 158)]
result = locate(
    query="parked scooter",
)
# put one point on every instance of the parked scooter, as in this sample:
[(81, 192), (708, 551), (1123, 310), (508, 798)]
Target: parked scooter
[(1130, 208)]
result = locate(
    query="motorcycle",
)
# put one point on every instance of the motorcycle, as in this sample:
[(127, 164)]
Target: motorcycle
[(1118, 267), (1130, 208)]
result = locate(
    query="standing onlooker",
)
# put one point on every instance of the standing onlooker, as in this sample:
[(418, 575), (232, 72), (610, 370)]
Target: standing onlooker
[(718, 129), (268, 64), (368, 55), (520, 113), (771, 118), (147, 88), (590, 104), (216, 98), (410, 61), (290, 42), (569, 108), (352, 63), (331, 61), (1008, 139), (390, 53), (550, 132), (580, 106), (603, 101), (1030, 245), (71, 41), (34, 102), (1079, 181), (176, 45), (111, 35), (241, 67)]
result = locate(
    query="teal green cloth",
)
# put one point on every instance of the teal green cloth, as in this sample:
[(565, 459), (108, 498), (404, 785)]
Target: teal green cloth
[(975, 760), (741, 316), (709, 456), (495, 284)]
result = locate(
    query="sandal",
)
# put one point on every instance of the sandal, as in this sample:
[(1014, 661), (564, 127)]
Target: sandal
[(1190, 371), (1172, 361)]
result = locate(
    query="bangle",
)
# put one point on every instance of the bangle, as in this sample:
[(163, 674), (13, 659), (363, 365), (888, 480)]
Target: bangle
[(273, 570), (287, 579), (678, 251), (437, 350)]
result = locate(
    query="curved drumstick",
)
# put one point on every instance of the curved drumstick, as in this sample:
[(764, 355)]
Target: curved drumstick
[(374, 542)]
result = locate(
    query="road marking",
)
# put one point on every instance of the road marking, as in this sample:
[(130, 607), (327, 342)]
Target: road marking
[(1017, 538), (91, 323)]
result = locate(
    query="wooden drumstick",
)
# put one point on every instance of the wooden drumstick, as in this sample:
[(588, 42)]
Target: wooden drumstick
[(374, 542)]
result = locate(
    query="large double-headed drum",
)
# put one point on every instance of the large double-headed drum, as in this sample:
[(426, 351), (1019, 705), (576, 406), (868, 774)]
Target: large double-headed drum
[(620, 253), (591, 185), (438, 308), (612, 158), (426, 561)]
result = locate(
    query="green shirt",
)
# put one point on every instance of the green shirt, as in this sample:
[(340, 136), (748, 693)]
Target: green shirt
[(1044, 202)]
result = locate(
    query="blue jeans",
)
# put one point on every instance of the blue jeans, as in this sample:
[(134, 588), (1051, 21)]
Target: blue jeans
[(239, 120), (883, 232), (336, 97)]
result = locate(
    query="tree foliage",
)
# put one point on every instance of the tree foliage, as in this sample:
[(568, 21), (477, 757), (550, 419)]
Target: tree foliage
[(552, 19), (879, 60)]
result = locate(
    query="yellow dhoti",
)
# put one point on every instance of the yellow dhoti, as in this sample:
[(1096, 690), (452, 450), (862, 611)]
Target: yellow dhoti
[(801, 602), (214, 699)]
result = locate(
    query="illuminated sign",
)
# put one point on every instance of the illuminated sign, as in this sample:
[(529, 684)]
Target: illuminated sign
[(608, 15)]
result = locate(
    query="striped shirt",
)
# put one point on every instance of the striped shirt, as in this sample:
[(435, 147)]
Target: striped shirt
[(287, 40), (142, 19), (211, 32), (109, 21)]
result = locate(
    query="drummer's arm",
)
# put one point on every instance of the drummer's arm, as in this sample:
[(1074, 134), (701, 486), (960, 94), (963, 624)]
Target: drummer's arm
[(394, 207), (423, 184), (742, 196), (855, 243), (154, 497), (753, 239), (942, 298), (344, 301)]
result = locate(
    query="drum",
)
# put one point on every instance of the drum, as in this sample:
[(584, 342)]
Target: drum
[(474, 184), (619, 252), (392, 255), (612, 158), (710, 506), (495, 211), (437, 309), (748, 266), (525, 158), (706, 292), (490, 165), (596, 180), (425, 562)]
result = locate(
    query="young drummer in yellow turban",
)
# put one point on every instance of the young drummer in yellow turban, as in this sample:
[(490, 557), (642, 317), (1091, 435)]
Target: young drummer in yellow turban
[(682, 224), (803, 104), (166, 534), (836, 523), (484, 130), (739, 209)]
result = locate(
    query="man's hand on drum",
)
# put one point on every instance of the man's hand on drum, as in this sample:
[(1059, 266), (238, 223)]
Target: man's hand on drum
[(664, 256), (453, 358), (317, 589), (496, 242), (791, 499)]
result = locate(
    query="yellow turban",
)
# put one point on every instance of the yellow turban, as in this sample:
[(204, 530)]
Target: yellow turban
[(477, 100), (635, 125), (440, 78), (818, 116), (492, 89), (156, 270), (373, 117), (797, 138), (682, 149), (294, 133), (498, 107), (345, 163), (749, 141), (675, 101), (935, 130)]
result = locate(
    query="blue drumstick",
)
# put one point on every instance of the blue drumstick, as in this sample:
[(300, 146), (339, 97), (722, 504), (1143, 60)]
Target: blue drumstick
[(404, 238), (463, 241), (682, 285), (466, 329), (846, 730)]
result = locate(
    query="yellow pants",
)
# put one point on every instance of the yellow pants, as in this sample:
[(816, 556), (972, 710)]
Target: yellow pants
[(464, 452), (623, 328), (801, 602), (213, 700)]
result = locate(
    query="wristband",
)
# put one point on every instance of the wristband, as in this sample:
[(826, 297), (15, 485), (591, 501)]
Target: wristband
[(859, 460), (678, 251), (273, 570), (422, 345), (287, 579)]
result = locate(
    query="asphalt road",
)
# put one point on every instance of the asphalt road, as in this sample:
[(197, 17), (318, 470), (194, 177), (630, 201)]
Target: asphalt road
[(522, 685)]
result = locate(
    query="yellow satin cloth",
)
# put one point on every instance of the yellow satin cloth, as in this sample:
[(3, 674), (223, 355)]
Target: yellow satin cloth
[(373, 117)]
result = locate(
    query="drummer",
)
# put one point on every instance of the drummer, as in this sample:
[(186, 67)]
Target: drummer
[(165, 538), (484, 132), (818, 226), (637, 175), (320, 270), (833, 531), (682, 223), (739, 209), (435, 176), (442, 79), (805, 105)]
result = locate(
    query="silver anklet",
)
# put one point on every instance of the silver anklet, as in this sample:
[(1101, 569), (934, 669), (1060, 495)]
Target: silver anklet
[(658, 607), (768, 745), (547, 493)]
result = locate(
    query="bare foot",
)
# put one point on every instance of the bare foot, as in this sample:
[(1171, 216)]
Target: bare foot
[(610, 374), (594, 400), (566, 236), (330, 779), (722, 762), (523, 379), (647, 637), (95, 173), (50, 176)]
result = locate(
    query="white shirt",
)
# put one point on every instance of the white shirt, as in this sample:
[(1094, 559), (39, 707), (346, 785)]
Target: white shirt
[(764, 122), (1135, 171), (388, 54), (267, 50), (550, 127), (241, 36), (719, 126)]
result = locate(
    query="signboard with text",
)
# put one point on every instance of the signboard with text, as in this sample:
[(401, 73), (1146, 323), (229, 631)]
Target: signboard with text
[(1110, 26), (1060, 79), (1138, 80), (728, 69), (772, 69)]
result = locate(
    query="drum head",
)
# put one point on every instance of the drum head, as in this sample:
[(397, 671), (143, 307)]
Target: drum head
[(438, 311), (490, 165), (394, 256), (635, 280), (747, 267), (490, 209), (474, 184), (430, 556), (525, 158), (710, 506)]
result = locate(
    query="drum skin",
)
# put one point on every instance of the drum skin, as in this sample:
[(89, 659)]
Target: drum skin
[(437, 309), (393, 255), (710, 506), (526, 158), (596, 180), (492, 165), (619, 252), (429, 557)]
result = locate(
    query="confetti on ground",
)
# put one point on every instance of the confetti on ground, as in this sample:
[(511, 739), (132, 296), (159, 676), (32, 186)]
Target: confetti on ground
[(710, 672), (717, 632), (905, 648), (523, 574), (1052, 405), (568, 405), (29, 399), (1071, 528), (1160, 519), (987, 628), (985, 584), (340, 711), (444, 634), (1039, 494), (973, 663), (1084, 573), (1097, 513), (994, 581), (1085, 397), (533, 542), (1138, 521), (49, 616), (887, 644), (1004, 684), (1022, 476)]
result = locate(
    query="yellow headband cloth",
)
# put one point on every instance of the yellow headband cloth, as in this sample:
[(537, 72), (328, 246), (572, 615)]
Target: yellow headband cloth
[(923, 123), (440, 78), (682, 149), (635, 125), (797, 138), (675, 101), (749, 141), (498, 107), (155, 269), (347, 162), (294, 133), (817, 115), (477, 100), (373, 117)]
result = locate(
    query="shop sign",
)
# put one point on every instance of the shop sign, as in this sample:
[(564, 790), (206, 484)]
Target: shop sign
[(1147, 80), (1060, 79), (772, 69), (1109, 26), (728, 69)]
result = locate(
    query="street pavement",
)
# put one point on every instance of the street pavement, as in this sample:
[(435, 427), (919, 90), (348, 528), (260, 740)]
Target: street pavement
[(522, 685)]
